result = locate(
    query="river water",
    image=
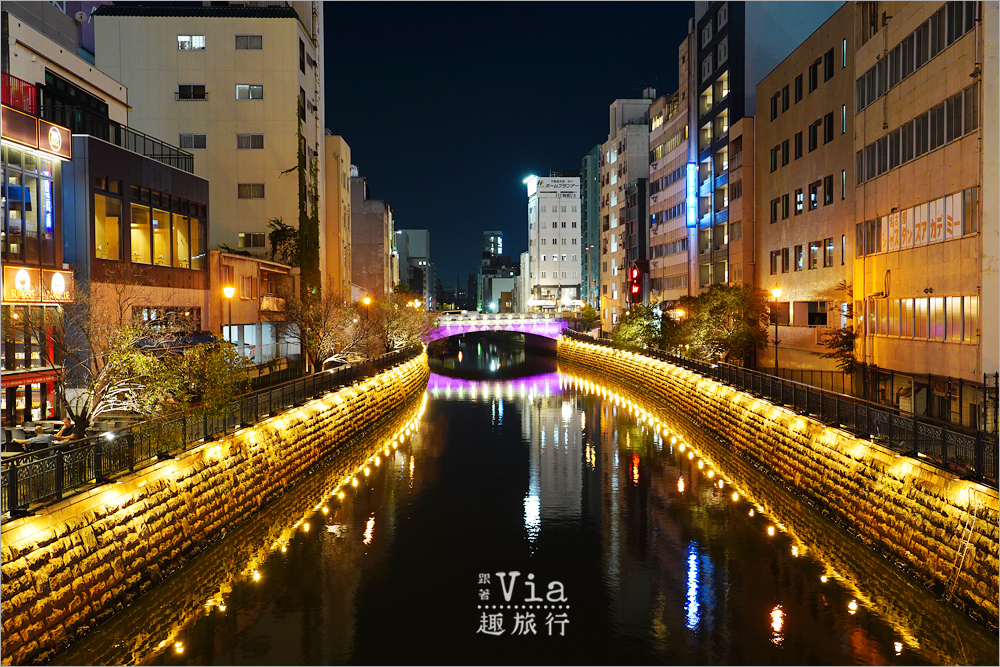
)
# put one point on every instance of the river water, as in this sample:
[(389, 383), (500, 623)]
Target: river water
[(556, 518)]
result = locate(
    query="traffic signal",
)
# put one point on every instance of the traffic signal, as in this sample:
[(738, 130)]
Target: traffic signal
[(634, 284)]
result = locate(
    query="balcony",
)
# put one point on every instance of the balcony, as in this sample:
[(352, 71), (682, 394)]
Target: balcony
[(19, 94), (271, 303)]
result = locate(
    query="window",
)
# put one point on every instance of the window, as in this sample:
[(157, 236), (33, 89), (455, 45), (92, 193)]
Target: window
[(798, 145), (798, 258), (843, 249), (706, 34), (774, 209), (107, 227), (302, 103), (970, 316), (843, 54), (248, 287), (843, 118), (799, 199), (774, 106), (191, 91), (181, 242), (784, 152), (936, 319), (140, 240), (828, 65), (250, 191), (706, 67), (250, 142), (190, 42), (813, 254), (814, 75), (774, 158), (784, 99), (723, 15), (814, 136), (775, 255), (798, 89), (161, 238), (194, 141), (813, 196), (920, 319), (302, 56), (827, 190), (198, 243), (723, 50), (970, 217), (828, 252), (784, 206), (828, 128), (252, 239), (843, 184), (249, 42), (246, 91), (784, 260)]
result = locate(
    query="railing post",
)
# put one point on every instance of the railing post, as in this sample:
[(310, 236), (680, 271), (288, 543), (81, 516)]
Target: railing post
[(944, 442), (980, 454), (916, 438), (12, 488), (60, 468), (98, 461)]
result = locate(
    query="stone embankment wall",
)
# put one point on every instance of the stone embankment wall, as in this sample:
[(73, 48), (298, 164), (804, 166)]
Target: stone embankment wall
[(910, 511), (82, 559)]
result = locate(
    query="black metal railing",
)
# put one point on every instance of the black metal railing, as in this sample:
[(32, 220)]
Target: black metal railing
[(970, 453), (51, 473)]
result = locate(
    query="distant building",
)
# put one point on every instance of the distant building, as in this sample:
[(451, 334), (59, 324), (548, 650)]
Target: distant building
[(554, 249), (374, 263), (493, 264), (234, 83), (335, 234), (416, 270), (805, 191), (624, 158), (590, 227)]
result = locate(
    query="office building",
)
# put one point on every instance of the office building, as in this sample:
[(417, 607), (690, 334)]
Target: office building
[(554, 246), (374, 262), (590, 227), (335, 235)]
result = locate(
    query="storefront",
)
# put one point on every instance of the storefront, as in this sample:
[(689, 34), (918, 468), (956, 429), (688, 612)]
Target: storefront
[(35, 282)]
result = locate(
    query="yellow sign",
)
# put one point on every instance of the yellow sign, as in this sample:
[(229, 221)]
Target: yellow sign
[(32, 285)]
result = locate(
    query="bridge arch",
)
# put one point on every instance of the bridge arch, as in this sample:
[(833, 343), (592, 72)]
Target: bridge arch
[(536, 324)]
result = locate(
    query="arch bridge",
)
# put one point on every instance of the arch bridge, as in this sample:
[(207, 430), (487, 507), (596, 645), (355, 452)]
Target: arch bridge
[(537, 324)]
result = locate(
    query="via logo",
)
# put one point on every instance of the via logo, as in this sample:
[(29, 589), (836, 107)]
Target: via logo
[(555, 592)]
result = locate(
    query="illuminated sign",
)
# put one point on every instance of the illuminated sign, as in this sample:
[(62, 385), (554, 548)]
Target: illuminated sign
[(54, 139), (692, 194), (30, 285), (19, 127), (57, 286), (47, 204)]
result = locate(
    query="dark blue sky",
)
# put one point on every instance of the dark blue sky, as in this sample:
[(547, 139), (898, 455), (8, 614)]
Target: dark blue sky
[(447, 107)]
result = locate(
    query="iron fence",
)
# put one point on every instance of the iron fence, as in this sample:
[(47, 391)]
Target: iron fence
[(970, 453), (49, 474)]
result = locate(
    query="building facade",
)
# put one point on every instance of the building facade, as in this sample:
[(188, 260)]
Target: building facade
[(554, 247), (374, 266), (925, 208), (241, 87), (624, 158), (415, 267), (805, 151), (335, 235), (590, 227)]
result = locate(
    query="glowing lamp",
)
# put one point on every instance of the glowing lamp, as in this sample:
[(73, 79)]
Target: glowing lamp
[(229, 291)]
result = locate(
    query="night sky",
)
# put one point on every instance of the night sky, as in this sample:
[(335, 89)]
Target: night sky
[(448, 107)]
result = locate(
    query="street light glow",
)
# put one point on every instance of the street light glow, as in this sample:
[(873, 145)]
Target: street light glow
[(229, 291), (367, 300)]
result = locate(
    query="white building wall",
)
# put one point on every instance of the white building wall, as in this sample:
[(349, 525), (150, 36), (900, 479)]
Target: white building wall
[(554, 251)]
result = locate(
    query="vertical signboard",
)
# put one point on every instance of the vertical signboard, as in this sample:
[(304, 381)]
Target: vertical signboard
[(692, 194)]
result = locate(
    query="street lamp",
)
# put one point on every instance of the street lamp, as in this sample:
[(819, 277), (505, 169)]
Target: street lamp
[(230, 291), (776, 292)]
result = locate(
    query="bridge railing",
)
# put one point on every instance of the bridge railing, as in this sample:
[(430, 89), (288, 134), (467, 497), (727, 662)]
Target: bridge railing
[(495, 317), (968, 452), (47, 475)]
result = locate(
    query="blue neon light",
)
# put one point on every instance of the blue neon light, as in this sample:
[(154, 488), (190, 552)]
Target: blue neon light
[(692, 194), (47, 203)]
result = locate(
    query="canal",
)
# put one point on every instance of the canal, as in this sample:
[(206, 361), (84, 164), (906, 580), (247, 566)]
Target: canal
[(551, 518)]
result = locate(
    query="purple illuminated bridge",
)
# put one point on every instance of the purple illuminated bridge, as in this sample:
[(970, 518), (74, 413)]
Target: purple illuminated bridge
[(537, 324)]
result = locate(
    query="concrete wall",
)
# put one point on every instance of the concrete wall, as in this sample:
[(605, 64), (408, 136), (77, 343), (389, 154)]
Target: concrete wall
[(81, 560), (912, 512)]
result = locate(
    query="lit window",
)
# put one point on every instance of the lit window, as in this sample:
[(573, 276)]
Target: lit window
[(245, 91), (190, 42)]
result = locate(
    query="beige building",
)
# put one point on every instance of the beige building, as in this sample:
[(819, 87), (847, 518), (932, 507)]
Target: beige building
[(624, 158), (335, 234), (232, 84), (742, 226), (670, 151), (805, 190), (925, 267), (375, 266)]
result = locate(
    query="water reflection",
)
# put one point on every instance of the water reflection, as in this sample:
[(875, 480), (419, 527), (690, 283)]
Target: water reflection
[(671, 550)]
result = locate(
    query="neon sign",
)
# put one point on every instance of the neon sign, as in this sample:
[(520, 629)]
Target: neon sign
[(692, 194)]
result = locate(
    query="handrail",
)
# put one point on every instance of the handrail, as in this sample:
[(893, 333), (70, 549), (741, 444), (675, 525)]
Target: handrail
[(971, 453), (52, 472)]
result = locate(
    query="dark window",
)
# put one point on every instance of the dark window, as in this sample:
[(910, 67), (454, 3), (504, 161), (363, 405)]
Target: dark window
[(894, 138), (972, 108), (953, 117), (191, 91), (828, 190), (937, 127), (828, 65), (249, 42), (906, 143), (784, 206), (798, 88), (774, 209), (302, 103), (784, 152), (785, 260), (814, 74), (302, 56), (813, 195), (921, 134), (798, 145), (774, 106), (774, 158), (250, 191), (828, 128), (252, 240), (193, 141), (784, 99), (775, 254), (814, 136)]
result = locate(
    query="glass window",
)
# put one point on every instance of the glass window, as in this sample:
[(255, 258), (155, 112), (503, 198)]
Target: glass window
[(161, 238), (813, 254), (970, 218), (107, 228), (190, 42), (906, 318), (893, 316), (920, 318), (15, 200), (936, 318), (140, 236), (198, 244), (798, 258), (828, 249), (246, 91), (182, 242), (249, 42), (971, 318), (953, 305)]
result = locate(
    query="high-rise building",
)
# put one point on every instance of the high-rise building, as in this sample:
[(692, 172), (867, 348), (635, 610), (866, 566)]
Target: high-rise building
[(415, 267), (925, 210), (335, 234), (374, 265), (624, 158), (805, 189), (241, 86), (554, 247), (671, 150), (737, 44), (590, 227)]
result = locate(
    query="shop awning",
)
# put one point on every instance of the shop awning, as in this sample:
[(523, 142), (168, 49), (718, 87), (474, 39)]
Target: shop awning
[(27, 377)]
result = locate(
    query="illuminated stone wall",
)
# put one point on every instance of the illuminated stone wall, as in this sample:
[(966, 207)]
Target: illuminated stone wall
[(83, 559), (910, 511)]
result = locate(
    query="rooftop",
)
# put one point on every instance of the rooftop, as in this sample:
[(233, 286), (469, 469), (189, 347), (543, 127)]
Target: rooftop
[(194, 10)]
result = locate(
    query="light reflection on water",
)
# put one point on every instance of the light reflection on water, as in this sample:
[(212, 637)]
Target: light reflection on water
[(670, 550)]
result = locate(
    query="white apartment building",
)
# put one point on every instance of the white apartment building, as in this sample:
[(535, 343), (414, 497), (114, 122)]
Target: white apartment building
[(233, 85), (554, 251)]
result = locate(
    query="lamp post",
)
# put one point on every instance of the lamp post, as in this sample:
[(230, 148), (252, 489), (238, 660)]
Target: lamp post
[(230, 291), (776, 292)]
